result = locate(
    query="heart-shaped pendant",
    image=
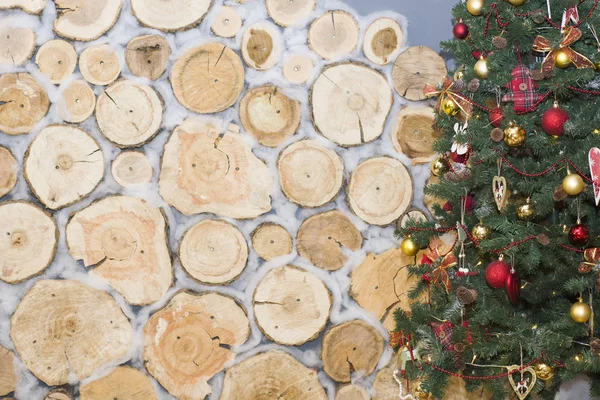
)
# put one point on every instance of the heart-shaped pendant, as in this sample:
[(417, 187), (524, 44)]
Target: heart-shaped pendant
[(525, 385), (499, 190)]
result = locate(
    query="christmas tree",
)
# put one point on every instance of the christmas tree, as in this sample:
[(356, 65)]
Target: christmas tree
[(508, 305)]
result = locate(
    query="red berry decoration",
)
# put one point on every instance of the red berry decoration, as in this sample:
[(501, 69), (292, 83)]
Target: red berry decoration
[(496, 273), (513, 286), (496, 117), (460, 30), (579, 234), (553, 120)]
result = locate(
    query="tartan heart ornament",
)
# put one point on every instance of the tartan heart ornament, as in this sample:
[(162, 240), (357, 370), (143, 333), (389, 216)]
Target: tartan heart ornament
[(594, 161), (522, 90)]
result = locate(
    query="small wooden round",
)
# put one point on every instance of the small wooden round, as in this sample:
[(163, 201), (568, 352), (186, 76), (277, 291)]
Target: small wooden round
[(56, 59), (333, 35), (415, 133), (147, 56), (298, 69), (16, 44), (25, 103), (270, 240), (9, 168), (286, 13), (131, 168), (383, 41), (352, 392), (99, 65), (261, 45), (228, 23), (78, 102)]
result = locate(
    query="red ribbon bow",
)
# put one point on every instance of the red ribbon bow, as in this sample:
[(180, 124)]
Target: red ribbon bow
[(461, 101), (570, 36), (443, 262)]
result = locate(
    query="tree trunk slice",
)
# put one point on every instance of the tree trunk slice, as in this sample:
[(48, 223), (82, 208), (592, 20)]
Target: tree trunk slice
[(29, 6), (188, 341), (383, 41), (99, 64), (124, 383), (56, 59), (415, 68), (271, 375), (170, 16), (59, 394), (208, 79), (271, 241), (333, 35), (350, 103), (380, 190), (298, 69), (389, 321), (9, 167), (310, 174), (23, 103), (205, 171), (351, 346), (16, 45), (286, 13), (85, 20), (352, 392), (63, 328), (261, 45), (431, 201), (269, 116), (147, 56), (213, 252), (77, 103), (413, 214), (8, 376), (385, 386), (131, 168), (291, 306), (129, 114), (228, 23), (322, 236), (63, 164), (414, 134), (29, 238), (125, 239)]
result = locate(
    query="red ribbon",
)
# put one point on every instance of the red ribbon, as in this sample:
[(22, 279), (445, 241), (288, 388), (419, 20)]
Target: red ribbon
[(461, 101), (570, 36)]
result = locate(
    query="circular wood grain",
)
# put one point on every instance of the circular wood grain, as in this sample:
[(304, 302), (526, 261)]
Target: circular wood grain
[(29, 6), (8, 376), (298, 69), (131, 168), (23, 103), (56, 59), (415, 133), (170, 16), (228, 23), (431, 201), (333, 35), (9, 168), (287, 13), (261, 45), (147, 56), (383, 40), (16, 44), (99, 64), (352, 392), (85, 20), (415, 68), (77, 103), (60, 394), (270, 240), (124, 383)]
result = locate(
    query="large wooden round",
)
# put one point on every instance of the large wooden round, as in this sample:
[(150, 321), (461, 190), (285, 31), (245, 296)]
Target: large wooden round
[(350, 103), (415, 133), (271, 375), (99, 65), (172, 15), (129, 114), (57, 59), (214, 252), (415, 68), (29, 6), (271, 240), (291, 306), (85, 20), (124, 383), (333, 35), (322, 237), (298, 69), (351, 346), (131, 168), (352, 392), (286, 12), (208, 79), (228, 23), (188, 341), (23, 103), (64, 329), (380, 190), (269, 115), (63, 165), (310, 174), (261, 45), (28, 241), (16, 45), (383, 41), (9, 168), (125, 239), (147, 56), (8, 376)]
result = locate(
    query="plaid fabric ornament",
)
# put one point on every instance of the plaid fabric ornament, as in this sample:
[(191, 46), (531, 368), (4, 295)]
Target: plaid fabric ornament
[(443, 333), (522, 89)]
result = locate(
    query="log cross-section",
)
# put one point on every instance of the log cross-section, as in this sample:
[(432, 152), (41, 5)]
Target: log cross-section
[(23, 103)]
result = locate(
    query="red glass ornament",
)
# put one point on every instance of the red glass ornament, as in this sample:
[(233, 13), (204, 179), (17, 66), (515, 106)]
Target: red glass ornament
[(579, 235), (496, 117), (460, 30), (513, 286), (553, 120), (470, 203), (496, 274)]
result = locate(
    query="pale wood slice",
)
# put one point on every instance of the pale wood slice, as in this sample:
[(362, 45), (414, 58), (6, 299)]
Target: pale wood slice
[(147, 56), (352, 392), (213, 252), (271, 375), (188, 341), (63, 165), (415, 68), (125, 240), (291, 306), (350, 103), (269, 115), (413, 214), (129, 114), (271, 240), (23, 103), (298, 69), (170, 16), (261, 45), (383, 41), (385, 386), (431, 201), (63, 328), (131, 168), (124, 383), (16, 45), (321, 238), (455, 389), (57, 59), (333, 35), (77, 103), (59, 394), (311, 175), (388, 321), (29, 6), (415, 133), (85, 20), (8, 377), (349, 347), (208, 79), (99, 64), (228, 23), (287, 13), (28, 241), (9, 168), (204, 170), (380, 190)]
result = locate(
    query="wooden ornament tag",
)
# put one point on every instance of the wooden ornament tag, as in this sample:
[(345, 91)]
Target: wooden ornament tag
[(525, 385), (499, 190)]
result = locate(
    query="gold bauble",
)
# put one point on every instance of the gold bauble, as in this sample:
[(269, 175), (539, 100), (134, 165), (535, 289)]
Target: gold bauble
[(481, 68), (409, 247), (596, 131), (438, 166), (543, 371), (481, 232), (517, 3), (514, 135), (419, 392), (561, 59), (573, 184), (597, 65), (450, 107), (526, 211), (581, 312), (475, 7), (459, 74)]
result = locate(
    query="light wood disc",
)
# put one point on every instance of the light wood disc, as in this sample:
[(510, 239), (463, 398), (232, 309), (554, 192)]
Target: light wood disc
[(85, 20), (23, 103), (271, 240), (16, 45), (8, 377), (228, 23), (415, 134), (350, 103), (63, 328), (385, 385), (352, 392), (29, 6), (322, 236), (383, 41), (77, 103), (59, 394), (208, 79), (286, 12), (172, 15), (310, 174), (261, 45), (57, 59), (380, 190), (272, 375), (333, 35), (63, 165), (269, 115), (351, 346), (99, 64), (147, 56), (9, 168), (298, 69), (125, 240), (412, 214), (188, 341), (213, 252), (129, 114), (431, 201), (415, 68), (124, 383), (131, 168)]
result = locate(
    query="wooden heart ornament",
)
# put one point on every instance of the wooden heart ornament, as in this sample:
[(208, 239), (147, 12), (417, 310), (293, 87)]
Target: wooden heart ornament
[(500, 191), (594, 161), (525, 385)]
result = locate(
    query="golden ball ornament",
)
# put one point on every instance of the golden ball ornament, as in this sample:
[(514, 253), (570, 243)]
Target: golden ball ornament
[(419, 392), (561, 59), (517, 3), (526, 211), (581, 312), (475, 7), (573, 184), (543, 371), (597, 65), (481, 68), (438, 166), (450, 107), (514, 135), (409, 247), (481, 232), (596, 131), (460, 74)]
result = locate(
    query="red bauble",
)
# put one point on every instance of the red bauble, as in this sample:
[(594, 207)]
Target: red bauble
[(496, 274), (553, 120), (513, 286), (579, 235), (460, 30), (496, 117), (469, 205)]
